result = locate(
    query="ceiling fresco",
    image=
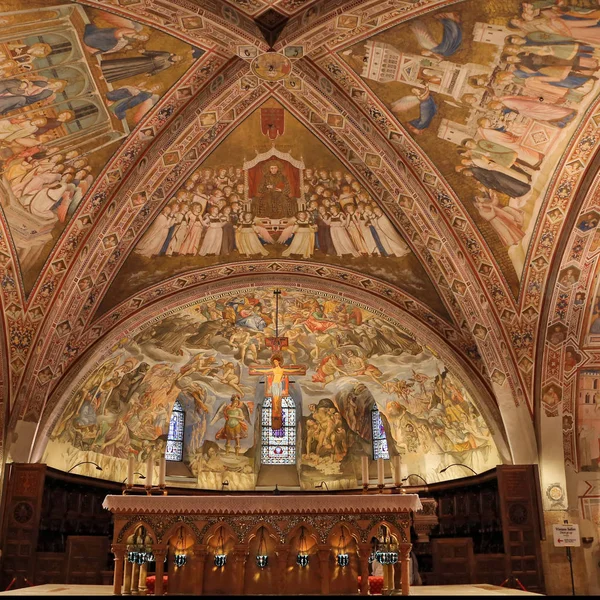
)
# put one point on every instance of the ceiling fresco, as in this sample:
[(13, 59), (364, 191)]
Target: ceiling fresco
[(76, 81), (492, 92), (201, 354), (272, 190), (429, 152)]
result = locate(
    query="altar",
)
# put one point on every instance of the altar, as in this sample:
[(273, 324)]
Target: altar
[(260, 544)]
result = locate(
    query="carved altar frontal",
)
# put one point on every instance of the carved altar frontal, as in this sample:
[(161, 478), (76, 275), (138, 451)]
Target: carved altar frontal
[(243, 513)]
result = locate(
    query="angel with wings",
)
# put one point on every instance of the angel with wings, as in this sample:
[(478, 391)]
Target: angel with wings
[(427, 109), (106, 40), (248, 235), (237, 417), (451, 36)]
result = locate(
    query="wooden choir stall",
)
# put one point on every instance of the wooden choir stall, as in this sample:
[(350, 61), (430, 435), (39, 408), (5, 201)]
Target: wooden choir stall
[(258, 544)]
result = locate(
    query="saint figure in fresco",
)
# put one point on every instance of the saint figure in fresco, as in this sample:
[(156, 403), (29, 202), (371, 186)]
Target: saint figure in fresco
[(150, 63), (274, 191), (236, 415)]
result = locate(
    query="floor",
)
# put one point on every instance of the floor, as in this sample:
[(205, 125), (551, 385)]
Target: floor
[(429, 590)]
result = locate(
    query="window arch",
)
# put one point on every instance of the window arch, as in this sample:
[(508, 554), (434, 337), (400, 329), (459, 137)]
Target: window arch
[(380, 445), (174, 449), (279, 446)]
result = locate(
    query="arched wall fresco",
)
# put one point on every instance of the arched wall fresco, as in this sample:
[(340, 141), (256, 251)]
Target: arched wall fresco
[(484, 339), (350, 364)]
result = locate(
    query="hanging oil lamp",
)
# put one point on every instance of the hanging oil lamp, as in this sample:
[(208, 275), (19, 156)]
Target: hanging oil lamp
[(302, 558), (220, 556), (180, 555), (343, 560), (261, 557)]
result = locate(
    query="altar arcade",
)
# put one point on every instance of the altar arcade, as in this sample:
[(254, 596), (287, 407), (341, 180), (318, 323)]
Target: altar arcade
[(253, 544)]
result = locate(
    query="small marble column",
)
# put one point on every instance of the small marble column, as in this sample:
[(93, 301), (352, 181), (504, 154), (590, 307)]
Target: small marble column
[(281, 552), (324, 551), (119, 570), (363, 555), (200, 553), (388, 579), (240, 556), (159, 570), (135, 579), (143, 574), (404, 555), (127, 579)]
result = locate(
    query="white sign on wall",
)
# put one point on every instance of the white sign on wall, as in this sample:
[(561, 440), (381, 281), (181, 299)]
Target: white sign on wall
[(566, 535)]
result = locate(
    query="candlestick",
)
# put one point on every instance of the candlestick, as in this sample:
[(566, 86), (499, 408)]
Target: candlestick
[(397, 470), (149, 471), (162, 471), (130, 471), (380, 471), (365, 470)]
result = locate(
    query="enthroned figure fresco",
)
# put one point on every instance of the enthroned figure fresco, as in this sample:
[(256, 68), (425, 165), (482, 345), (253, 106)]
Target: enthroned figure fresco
[(74, 82), (275, 186), (206, 356), (293, 199)]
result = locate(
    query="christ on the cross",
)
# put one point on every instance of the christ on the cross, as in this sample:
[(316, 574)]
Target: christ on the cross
[(276, 384)]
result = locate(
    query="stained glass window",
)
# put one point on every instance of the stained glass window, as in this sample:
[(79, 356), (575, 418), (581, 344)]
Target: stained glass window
[(174, 449), (380, 446), (279, 446)]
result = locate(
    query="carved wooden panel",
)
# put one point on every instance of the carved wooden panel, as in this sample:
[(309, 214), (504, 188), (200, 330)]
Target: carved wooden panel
[(452, 560), (519, 488), (21, 523), (86, 558)]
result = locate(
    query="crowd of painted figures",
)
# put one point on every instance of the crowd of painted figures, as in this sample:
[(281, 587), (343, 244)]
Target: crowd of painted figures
[(353, 357), (212, 216), (547, 65), (38, 110)]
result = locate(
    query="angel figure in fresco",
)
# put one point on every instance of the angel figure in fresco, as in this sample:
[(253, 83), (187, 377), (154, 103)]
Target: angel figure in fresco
[(302, 234), (237, 417), (427, 109), (104, 40), (248, 236), (451, 36)]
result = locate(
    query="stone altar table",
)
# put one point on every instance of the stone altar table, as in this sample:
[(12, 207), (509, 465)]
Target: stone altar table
[(235, 529)]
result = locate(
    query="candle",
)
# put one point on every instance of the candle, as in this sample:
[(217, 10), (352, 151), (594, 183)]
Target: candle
[(380, 473), (149, 471), (162, 471), (365, 470), (397, 470), (130, 470)]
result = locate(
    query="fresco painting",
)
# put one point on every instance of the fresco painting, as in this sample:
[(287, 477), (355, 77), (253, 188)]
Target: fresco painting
[(272, 190), (588, 420), (72, 88), (201, 355), (493, 94)]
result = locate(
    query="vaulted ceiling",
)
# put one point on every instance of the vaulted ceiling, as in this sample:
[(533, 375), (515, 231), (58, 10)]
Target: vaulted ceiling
[(473, 151)]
